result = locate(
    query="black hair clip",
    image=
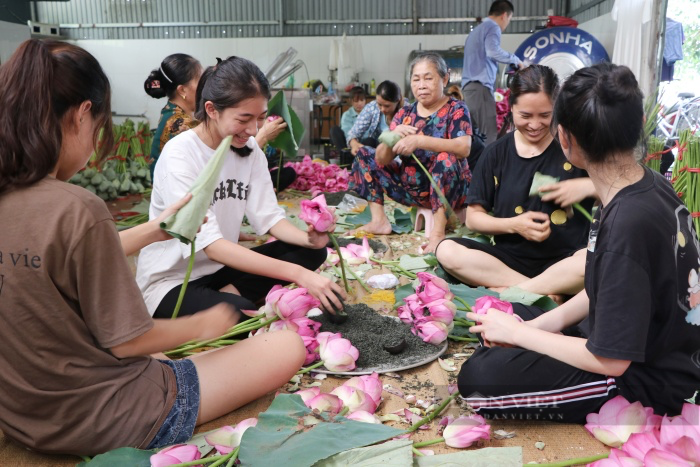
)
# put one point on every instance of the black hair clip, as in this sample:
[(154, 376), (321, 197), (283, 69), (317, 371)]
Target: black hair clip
[(218, 60)]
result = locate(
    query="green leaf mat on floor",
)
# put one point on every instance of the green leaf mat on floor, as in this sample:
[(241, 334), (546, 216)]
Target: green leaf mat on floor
[(282, 438), (123, 456)]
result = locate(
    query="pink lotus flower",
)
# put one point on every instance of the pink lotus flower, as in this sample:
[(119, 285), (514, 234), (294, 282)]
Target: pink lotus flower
[(404, 313), (483, 304), (311, 345), (617, 458), (433, 332), (638, 444), (366, 417), (317, 177), (338, 354), (227, 438), (680, 435), (272, 118), (332, 257), (292, 304), (464, 431), (308, 394), (254, 313), (663, 458), (302, 326), (440, 310), (315, 212), (176, 454), (369, 384), (325, 403), (363, 251), (618, 419), (355, 399), (432, 288)]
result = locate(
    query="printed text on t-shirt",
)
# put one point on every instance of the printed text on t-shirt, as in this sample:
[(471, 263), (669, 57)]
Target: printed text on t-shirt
[(231, 189)]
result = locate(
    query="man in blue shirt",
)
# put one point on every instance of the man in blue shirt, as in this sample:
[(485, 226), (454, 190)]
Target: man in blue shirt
[(482, 53)]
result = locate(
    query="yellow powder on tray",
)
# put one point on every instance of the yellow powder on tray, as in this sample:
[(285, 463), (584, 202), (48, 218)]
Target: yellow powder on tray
[(288, 204), (380, 296)]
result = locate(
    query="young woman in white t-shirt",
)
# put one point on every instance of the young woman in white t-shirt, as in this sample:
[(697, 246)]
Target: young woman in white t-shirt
[(231, 101)]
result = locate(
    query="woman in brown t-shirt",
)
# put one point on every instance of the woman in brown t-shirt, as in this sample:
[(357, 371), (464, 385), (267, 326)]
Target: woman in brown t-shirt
[(79, 378)]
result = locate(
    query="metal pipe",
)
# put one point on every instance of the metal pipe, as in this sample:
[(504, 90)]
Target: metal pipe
[(174, 24), (348, 21), (474, 19)]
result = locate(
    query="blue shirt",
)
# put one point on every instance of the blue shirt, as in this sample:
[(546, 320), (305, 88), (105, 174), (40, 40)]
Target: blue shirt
[(369, 124), (347, 120), (483, 52)]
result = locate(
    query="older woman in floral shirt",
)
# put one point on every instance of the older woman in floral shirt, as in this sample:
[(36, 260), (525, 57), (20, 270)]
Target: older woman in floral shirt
[(437, 129)]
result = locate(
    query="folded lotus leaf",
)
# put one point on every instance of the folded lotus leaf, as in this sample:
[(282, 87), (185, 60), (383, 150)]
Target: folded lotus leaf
[(390, 138), (184, 224), (540, 180), (288, 140)]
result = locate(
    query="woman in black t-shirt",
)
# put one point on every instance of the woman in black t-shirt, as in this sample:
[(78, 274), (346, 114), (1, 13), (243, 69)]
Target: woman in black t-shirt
[(638, 318), (533, 237)]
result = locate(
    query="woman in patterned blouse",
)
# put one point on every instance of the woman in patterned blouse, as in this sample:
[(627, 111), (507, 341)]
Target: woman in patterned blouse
[(437, 129)]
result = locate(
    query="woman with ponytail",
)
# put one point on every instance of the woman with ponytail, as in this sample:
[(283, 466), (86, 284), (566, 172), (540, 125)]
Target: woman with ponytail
[(634, 330), (76, 375), (232, 99), (176, 78)]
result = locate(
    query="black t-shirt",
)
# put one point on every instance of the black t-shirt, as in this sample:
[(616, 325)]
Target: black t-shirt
[(501, 184), (642, 281)]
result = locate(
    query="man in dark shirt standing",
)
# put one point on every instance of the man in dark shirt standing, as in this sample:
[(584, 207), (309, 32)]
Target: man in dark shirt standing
[(482, 53)]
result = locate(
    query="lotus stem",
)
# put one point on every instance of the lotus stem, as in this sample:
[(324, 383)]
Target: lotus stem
[(185, 282), (342, 262), (309, 368)]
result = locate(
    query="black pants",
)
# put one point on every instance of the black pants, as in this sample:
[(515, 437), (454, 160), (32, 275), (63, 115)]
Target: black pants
[(204, 292), (338, 140), (286, 178), (518, 384)]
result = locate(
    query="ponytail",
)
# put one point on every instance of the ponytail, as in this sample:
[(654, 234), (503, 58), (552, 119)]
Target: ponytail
[(44, 81)]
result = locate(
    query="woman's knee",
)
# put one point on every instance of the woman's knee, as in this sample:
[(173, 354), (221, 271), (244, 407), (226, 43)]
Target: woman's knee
[(289, 346), (446, 251)]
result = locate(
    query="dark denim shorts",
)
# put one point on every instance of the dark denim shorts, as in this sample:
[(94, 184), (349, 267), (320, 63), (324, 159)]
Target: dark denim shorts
[(179, 425)]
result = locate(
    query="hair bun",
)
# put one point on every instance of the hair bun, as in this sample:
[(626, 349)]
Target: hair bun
[(155, 85), (618, 85)]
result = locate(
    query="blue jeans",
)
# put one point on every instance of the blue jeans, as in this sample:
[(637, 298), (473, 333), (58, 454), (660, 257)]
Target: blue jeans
[(179, 425)]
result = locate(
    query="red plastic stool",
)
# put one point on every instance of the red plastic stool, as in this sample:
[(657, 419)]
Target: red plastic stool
[(425, 216)]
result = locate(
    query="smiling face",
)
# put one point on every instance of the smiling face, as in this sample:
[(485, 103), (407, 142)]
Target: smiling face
[(532, 116), (241, 121), (426, 83)]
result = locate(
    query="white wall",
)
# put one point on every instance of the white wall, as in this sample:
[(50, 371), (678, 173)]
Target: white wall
[(11, 36), (602, 28), (128, 62)]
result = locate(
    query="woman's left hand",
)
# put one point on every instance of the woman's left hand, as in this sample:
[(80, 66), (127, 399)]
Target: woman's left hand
[(496, 327), (407, 145), (568, 192)]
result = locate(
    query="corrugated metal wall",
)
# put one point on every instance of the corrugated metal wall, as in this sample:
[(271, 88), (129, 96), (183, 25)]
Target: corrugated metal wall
[(586, 10), (129, 19)]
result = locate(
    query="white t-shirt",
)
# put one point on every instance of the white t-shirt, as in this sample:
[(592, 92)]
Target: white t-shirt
[(631, 42), (245, 188)]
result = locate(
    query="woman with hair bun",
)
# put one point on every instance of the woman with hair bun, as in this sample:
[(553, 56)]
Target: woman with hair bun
[(634, 330), (176, 78)]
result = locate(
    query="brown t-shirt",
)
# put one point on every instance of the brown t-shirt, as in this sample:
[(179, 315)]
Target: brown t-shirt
[(67, 295)]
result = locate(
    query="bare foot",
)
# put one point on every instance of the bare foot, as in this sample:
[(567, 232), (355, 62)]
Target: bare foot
[(375, 227)]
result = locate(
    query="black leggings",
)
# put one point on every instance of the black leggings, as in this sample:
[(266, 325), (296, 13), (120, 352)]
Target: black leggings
[(517, 384), (204, 292)]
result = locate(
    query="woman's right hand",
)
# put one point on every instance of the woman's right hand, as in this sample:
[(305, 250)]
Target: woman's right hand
[(355, 146), (532, 225), (323, 289), (405, 130)]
